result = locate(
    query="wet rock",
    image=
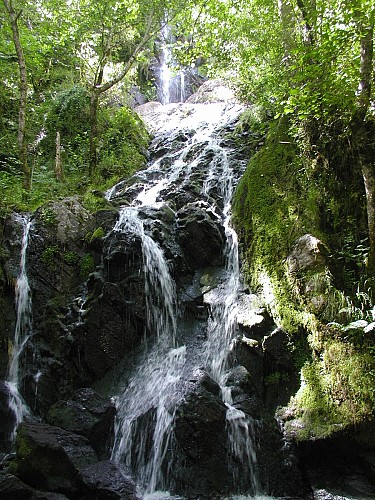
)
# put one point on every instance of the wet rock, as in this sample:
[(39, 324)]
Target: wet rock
[(212, 91), (7, 418), (276, 347), (88, 414), (253, 319), (249, 354), (11, 488), (200, 235), (281, 377), (338, 465), (46, 495), (111, 326), (201, 440), (49, 458), (107, 481)]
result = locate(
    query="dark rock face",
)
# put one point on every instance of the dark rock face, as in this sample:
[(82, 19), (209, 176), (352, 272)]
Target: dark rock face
[(12, 487), (49, 458), (62, 463), (339, 465), (200, 235), (7, 419), (200, 434), (89, 301), (87, 414), (106, 481)]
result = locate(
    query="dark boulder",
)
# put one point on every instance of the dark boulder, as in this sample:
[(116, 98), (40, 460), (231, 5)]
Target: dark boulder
[(113, 323), (7, 418), (49, 458), (201, 440), (107, 481), (200, 235), (11, 488), (88, 414)]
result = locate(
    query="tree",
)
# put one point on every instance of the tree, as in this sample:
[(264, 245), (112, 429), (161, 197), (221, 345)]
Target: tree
[(116, 33), (365, 26), (22, 142)]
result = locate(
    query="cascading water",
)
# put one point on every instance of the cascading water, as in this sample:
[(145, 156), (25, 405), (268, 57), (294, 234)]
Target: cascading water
[(171, 79), (153, 385), (22, 333), (147, 405), (222, 329)]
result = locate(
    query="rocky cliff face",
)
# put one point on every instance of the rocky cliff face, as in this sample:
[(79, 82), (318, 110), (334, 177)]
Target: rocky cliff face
[(92, 326)]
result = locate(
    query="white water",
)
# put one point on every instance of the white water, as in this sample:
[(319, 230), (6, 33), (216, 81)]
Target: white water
[(222, 329), (152, 387), (171, 77), (143, 442), (22, 332)]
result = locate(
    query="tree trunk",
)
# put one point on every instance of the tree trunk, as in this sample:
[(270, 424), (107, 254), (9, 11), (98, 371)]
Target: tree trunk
[(59, 174), (22, 144), (359, 131), (368, 174), (99, 88), (288, 29), (93, 154)]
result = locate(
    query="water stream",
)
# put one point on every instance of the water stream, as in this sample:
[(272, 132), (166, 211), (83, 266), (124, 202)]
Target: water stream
[(146, 406), (23, 331)]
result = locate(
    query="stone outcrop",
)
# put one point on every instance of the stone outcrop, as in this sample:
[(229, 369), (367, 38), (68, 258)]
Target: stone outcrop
[(7, 419), (308, 268), (106, 480), (50, 458), (53, 464), (87, 414)]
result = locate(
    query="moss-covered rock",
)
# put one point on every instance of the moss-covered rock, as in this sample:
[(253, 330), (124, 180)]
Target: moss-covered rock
[(292, 256)]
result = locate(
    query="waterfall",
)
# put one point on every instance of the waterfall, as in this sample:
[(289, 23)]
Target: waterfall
[(171, 78), (222, 329), (147, 404), (22, 332), (153, 386)]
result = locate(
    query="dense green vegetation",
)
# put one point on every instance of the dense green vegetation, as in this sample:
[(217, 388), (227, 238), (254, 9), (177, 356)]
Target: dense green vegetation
[(308, 68)]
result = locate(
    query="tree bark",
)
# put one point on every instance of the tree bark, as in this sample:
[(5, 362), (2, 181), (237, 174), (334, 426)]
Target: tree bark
[(59, 174), (368, 174), (287, 23), (306, 16), (21, 140), (359, 125), (93, 153)]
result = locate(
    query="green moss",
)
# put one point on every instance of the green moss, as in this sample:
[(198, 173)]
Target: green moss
[(87, 266), (48, 216), (338, 389), (283, 195), (71, 258), (276, 378), (94, 200), (267, 210), (23, 450), (98, 234), (50, 256)]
